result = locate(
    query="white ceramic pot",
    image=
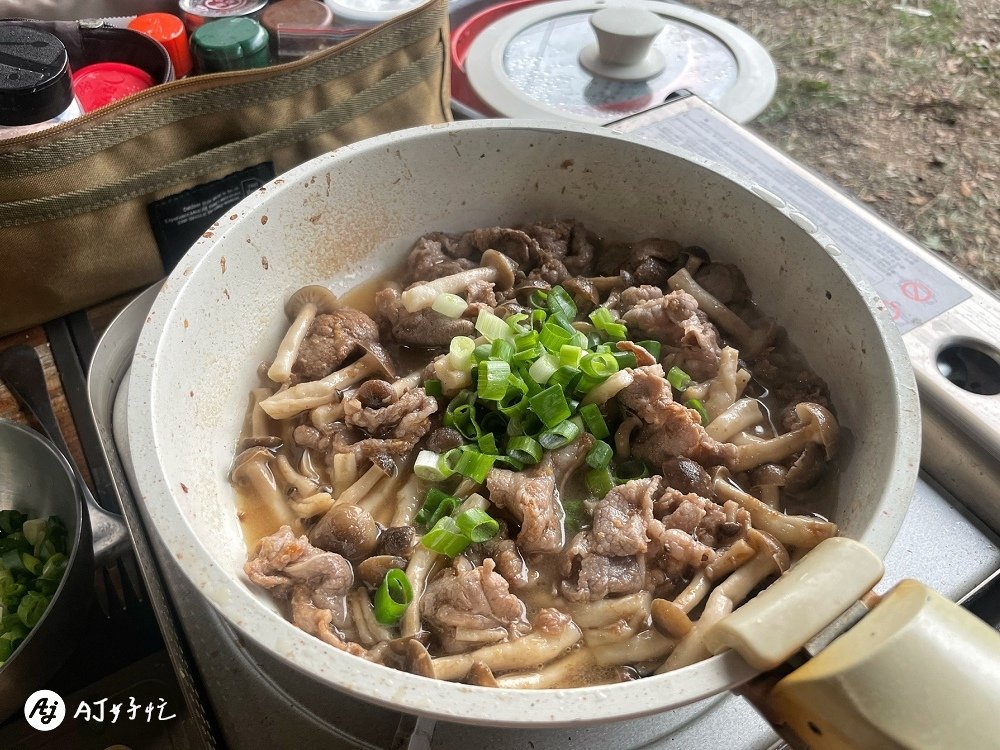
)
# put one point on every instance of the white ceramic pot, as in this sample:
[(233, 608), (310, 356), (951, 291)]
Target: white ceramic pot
[(355, 212)]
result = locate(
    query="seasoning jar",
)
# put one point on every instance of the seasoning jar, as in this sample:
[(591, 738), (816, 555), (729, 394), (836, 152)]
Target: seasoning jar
[(198, 12), (102, 83), (36, 91), (298, 14), (169, 31), (230, 44)]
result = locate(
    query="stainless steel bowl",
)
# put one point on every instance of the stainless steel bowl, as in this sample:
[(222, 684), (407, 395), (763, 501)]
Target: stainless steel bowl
[(36, 480)]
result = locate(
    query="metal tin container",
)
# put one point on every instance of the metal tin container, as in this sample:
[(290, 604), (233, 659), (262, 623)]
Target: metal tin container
[(198, 12)]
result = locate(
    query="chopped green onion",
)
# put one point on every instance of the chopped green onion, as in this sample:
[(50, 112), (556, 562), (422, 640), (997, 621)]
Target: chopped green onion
[(492, 383), (526, 341), (432, 501), (580, 339), (553, 337), (559, 302), (600, 455), (481, 352), (542, 368), (625, 359), (513, 463), (488, 444), (594, 421), (565, 323), (34, 530), (651, 346), (525, 423), (477, 525), (515, 321), (550, 406), (54, 568), (538, 299), (31, 608), (538, 319), (31, 563), (475, 465), (446, 538), (562, 434), (460, 353), (566, 377), (634, 468), (599, 482), (524, 449), (575, 515), (392, 597), (678, 379), (449, 305), (586, 383), (433, 388), (515, 400), (698, 407), (599, 365), (429, 467), (605, 322), (570, 355), (492, 327), (527, 355), (502, 349)]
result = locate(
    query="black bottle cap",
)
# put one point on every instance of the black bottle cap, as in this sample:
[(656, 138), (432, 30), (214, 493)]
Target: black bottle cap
[(35, 83)]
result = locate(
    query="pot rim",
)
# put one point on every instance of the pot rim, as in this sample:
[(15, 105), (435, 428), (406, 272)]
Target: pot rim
[(397, 690)]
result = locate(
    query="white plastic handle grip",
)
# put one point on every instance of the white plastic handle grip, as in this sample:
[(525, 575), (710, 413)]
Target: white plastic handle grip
[(813, 593)]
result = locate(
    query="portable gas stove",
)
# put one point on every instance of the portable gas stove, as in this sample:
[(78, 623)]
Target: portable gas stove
[(948, 539)]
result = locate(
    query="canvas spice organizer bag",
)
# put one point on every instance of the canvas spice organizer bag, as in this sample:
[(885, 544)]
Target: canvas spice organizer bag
[(107, 203)]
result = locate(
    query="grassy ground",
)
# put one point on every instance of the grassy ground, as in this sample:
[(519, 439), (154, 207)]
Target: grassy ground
[(902, 109)]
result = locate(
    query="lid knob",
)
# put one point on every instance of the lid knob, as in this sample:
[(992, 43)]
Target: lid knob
[(623, 50)]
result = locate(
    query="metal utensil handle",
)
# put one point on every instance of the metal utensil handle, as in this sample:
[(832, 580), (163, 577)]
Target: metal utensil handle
[(22, 371)]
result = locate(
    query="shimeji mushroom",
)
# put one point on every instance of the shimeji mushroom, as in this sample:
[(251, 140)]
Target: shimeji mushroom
[(741, 415), (303, 396), (768, 479), (752, 341), (771, 559), (256, 423), (722, 388), (348, 530), (302, 307), (481, 675), (531, 650), (304, 486), (669, 619), (494, 267), (818, 426), (792, 531), (251, 472)]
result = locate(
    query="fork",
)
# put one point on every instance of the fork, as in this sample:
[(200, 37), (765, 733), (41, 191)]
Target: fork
[(22, 372)]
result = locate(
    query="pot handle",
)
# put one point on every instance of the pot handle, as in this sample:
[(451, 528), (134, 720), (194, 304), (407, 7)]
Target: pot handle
[(812, 594), (21, 370), (918, 672)]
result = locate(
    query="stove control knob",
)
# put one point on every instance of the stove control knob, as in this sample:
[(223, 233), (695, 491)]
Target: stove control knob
[(623, 50)]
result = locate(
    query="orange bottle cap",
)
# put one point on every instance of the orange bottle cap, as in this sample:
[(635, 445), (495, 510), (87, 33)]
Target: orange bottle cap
[(169, 31)]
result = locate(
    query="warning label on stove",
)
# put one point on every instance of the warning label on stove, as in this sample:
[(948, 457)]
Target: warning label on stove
[(912, 289)]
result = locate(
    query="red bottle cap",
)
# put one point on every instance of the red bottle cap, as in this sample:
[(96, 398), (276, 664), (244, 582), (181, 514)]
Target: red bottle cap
[(100, 84), (169, 31)]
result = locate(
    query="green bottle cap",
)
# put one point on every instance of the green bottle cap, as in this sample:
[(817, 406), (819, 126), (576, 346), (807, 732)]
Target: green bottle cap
[(230, 44)]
